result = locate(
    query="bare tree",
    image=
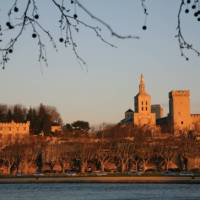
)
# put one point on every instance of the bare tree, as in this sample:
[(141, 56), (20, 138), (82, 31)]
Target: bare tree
[(69, 23), (54, 114), (11, 157), (167, 149), (27, 163), (85, 152), (186, 148), (65, 155), (124, 153), (103, 153), (28, 150), (145, 154), (183, 43), (50, 155)]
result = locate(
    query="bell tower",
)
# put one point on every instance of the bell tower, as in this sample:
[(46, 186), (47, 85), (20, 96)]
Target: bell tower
[(142, 99), (142, 114)]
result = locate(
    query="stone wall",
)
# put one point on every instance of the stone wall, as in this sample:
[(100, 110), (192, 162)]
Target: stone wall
[(14, 128)]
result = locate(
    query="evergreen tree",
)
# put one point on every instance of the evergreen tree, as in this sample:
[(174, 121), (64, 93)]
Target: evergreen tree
[(3, 112), (81, 125), (19, 113), (9, 117)]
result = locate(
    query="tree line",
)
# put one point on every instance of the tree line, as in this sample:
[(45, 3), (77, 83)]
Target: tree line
[(38, 154), (41, 118)]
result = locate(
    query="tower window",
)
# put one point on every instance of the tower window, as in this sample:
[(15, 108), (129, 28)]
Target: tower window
[(146, 102), (181, 122)]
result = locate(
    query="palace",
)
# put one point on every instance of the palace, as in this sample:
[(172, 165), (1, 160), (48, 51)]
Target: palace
[(14, 129), (145, 114)]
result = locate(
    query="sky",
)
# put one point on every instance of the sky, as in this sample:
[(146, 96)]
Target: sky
[(104, 89)]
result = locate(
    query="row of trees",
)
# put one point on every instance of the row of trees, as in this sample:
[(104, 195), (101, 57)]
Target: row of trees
[(77, 125), (37, 154), (41, 118)]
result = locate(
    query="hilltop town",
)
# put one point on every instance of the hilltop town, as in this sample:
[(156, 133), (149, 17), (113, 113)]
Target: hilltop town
[(36, 141)]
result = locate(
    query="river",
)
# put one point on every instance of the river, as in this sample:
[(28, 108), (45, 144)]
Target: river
[(99, 191)]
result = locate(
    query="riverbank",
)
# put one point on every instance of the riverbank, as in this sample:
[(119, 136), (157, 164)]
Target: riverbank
[(103, 179)]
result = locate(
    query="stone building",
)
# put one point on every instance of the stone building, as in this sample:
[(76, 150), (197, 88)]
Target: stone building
[(195, 121), (56, 128), (178, 119), (128, 116), (158, 110), (142, 114), (179, 109), (14, 129)]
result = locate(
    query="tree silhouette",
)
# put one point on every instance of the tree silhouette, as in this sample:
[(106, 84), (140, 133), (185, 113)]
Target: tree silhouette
[(185, 7), (70, 22)]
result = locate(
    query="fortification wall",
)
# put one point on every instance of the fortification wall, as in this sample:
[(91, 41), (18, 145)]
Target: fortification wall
[(195, 118), (14, 128)]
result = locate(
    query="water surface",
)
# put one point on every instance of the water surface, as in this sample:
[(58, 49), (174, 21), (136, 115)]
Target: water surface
[(99, 191)]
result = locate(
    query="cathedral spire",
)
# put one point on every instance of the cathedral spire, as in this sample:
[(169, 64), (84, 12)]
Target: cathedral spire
[(142, 84)]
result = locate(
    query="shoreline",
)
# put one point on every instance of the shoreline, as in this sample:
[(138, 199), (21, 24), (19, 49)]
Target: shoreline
[(102, 179)]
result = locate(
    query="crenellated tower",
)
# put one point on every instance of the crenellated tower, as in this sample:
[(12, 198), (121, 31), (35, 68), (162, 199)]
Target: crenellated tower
[(179, 109)]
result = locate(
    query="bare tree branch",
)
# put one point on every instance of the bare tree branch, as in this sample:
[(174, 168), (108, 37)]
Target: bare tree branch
[(68, 23), (183, 44)]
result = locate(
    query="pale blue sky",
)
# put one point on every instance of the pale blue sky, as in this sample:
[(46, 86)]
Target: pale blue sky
[(104, 91)]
